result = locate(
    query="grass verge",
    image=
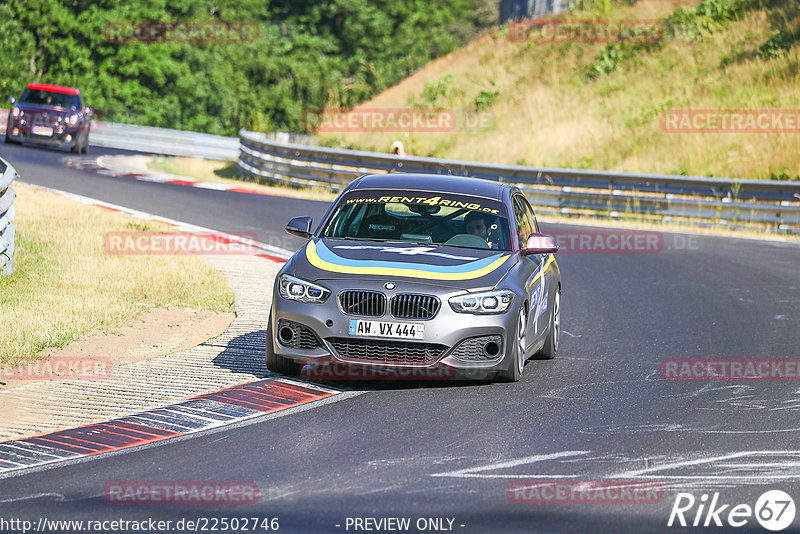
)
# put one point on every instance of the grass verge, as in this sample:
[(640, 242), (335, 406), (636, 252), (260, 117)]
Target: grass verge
[(224, 172), (64, 284)]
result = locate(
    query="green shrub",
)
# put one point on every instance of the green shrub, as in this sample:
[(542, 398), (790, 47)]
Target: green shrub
[(487, 98)]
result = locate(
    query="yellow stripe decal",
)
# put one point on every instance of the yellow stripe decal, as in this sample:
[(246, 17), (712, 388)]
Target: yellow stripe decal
[(319, 263)]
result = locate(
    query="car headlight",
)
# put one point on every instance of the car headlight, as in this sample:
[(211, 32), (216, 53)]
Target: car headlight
[(482, 303), (302, 291), (15, 112), (73, 119)]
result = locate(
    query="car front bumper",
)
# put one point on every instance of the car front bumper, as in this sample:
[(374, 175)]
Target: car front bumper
[(453, 346), (61, 139)]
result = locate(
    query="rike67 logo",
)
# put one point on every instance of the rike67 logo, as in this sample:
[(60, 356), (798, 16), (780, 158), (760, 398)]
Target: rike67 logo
[(774, 510)]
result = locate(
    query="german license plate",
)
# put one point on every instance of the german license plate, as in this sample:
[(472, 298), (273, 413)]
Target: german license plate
[(360, 327), (42, 130)]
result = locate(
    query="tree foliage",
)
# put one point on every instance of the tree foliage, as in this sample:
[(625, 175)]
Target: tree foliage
[(309, 54)]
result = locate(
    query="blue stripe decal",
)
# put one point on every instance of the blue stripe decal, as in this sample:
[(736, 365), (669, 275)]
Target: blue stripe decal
[(533, 274)]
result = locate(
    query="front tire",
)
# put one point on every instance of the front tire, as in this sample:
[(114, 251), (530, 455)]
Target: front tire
[(275, 363), (517, 364), (550, 348)]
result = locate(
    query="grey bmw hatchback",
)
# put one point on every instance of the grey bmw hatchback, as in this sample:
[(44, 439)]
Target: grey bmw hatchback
[(418, 276)]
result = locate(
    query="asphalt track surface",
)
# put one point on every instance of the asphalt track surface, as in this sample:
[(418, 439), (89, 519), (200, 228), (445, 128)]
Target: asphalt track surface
[(599, 411)]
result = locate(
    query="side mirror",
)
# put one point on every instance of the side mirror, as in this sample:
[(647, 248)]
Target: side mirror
[(300, 226), (12, 100), (540, 244)]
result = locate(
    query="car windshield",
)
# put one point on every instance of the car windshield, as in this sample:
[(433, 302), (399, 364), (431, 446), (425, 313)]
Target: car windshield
[(50, 98), (420, 217)]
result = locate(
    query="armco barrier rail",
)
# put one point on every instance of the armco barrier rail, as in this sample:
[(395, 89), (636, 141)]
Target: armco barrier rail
[(162, 141), (173, 142), (758, 204), (155, 140), (7, 196)]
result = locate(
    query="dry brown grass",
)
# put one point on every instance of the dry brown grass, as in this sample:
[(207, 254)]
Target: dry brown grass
[(64, 284), (550, 114)]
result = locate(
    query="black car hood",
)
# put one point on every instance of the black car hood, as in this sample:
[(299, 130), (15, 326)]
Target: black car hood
[(448, 266)]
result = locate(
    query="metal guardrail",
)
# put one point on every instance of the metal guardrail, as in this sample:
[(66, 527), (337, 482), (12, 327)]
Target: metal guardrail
[(155, 140), (758, 204), (162, 141), (173, 142), (7, 196)]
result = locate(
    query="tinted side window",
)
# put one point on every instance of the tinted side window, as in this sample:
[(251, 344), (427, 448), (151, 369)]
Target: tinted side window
[(524, 223), (531, 215)]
